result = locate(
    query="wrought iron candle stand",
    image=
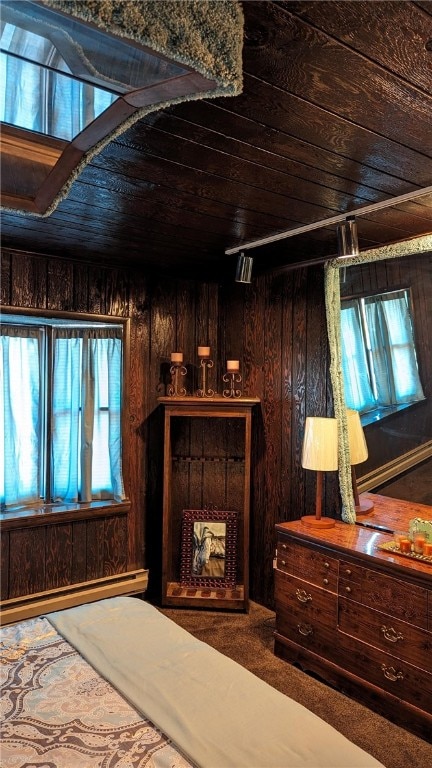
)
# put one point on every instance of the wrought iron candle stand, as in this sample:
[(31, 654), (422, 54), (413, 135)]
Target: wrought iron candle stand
[(174, 389), (205, 365), (232, 378)]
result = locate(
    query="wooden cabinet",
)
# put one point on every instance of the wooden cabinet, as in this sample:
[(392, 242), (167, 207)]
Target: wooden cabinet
[(359, 617), (207, 455)]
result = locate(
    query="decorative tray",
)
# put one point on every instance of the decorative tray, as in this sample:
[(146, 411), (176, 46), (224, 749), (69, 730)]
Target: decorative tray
[(392, 546)]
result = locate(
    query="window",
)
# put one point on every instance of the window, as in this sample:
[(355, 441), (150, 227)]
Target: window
[(378, 352), (61, 385)]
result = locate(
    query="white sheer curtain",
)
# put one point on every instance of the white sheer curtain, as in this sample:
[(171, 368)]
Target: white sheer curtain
[(393, 355), (86, 432), (19, 415), (357, 384)]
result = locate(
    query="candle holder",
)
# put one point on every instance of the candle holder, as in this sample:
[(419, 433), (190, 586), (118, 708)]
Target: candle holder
[(205, 365), (232, 378), (174, 389)]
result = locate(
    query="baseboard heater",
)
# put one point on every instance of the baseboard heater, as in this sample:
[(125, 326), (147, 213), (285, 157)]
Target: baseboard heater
[(396, 467), (28, 606)]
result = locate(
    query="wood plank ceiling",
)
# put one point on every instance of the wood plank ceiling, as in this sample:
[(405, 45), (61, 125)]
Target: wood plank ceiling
[(335, 116)]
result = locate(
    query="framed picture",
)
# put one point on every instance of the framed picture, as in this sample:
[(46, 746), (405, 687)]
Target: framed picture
[(208, 548)]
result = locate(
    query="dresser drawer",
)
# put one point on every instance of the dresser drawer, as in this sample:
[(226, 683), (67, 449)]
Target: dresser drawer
[(311, 603), (393, 597), (401, 640), (307, 564), (399, 678)]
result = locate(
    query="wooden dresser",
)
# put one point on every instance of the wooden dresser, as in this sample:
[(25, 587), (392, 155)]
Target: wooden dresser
[(359, 617)]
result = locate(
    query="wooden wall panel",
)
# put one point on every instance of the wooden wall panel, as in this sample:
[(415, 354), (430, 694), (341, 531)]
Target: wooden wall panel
[(58, 546), (115, 536), (4, 566), (79, 552), (60, 284), (27, 563), (95, 548), (139, 398)]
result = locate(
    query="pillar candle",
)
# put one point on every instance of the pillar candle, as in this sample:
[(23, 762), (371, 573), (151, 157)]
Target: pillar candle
[(405, 545), (203, 351), (419, 542), (427, 548), (176, 357), (233, 366)]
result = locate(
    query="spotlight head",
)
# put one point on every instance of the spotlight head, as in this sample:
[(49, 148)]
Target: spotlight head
[(244, 269), (347, 237)]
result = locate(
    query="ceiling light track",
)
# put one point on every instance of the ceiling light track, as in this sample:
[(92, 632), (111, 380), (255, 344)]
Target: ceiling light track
[(332, 220)]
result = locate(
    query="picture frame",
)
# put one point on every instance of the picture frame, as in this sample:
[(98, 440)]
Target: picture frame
[(208, 548)]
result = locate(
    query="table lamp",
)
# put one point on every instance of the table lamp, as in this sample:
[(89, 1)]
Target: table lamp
[(358, 453), (320, 452)]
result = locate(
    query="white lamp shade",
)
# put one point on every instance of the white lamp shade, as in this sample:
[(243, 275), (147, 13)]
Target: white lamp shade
[(356, 438), (320, 444)]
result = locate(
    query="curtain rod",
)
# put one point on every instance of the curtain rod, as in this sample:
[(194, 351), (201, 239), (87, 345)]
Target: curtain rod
[(332, 220)]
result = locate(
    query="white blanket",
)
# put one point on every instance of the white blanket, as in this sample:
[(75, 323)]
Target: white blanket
[(218, 713)]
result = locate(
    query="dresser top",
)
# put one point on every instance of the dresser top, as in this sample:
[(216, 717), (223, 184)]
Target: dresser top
[(363, 538)]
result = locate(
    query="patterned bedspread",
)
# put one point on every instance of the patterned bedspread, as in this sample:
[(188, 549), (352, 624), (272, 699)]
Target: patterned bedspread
[(57, 712)]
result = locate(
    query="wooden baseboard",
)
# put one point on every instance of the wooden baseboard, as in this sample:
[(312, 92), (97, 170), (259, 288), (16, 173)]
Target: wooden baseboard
[(28, 606)]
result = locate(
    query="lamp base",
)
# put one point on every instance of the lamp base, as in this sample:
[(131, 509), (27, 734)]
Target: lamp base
[(318, 522), (364, 507)]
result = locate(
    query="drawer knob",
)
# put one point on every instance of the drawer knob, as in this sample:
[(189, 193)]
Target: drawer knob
[(305, 629), (391, 635), (283, 562), (326, 565), (303, 596), (348, 572), (284, 546), (348, 589), (391, 674), (325, 581)]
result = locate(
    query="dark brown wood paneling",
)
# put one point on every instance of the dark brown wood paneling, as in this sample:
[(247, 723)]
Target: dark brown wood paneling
[(4, 567), (96, 289), (5, 279), (27, 561), (57, 552), (28, 280), (79, 552), (139, 406), (60, 283), (95, 548), (115, 545)]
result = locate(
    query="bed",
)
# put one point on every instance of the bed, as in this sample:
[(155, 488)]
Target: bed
[(117, 683)]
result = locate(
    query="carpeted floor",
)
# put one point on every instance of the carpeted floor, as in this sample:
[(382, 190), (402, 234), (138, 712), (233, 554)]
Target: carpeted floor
[(248, 639)]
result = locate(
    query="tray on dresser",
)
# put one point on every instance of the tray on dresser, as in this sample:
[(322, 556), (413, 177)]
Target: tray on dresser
[(393, 547)]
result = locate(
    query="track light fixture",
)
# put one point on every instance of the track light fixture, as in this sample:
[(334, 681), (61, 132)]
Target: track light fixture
[(244, 269), (347, 237)]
